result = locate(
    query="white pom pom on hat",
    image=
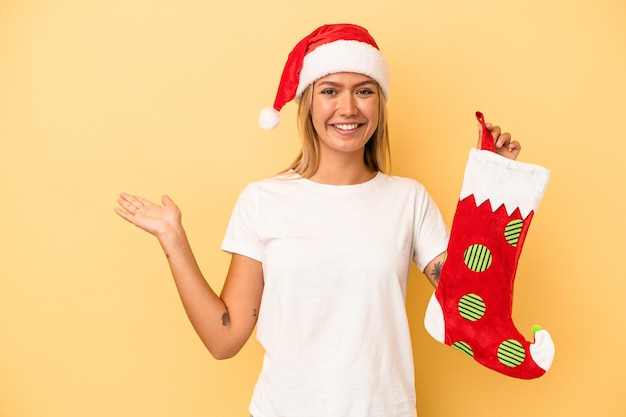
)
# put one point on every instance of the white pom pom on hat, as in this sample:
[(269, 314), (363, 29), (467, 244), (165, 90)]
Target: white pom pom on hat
[(327, 50), (269, 118)]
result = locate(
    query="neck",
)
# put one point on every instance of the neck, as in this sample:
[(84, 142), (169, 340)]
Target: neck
[(342, 171)]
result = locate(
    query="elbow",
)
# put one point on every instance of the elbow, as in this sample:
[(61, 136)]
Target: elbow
[(223, 352), (220, 356), (224, 344)]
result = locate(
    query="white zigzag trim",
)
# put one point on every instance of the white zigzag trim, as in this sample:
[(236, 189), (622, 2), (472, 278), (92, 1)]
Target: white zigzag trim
[(489, 176)]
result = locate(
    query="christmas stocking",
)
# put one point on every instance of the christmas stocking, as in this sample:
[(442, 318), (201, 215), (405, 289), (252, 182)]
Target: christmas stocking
[(471, 308)]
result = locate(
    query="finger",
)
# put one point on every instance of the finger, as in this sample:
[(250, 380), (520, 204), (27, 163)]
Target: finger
[(167, 201), (495, 131), (503, 140), (515, 146), (123, 214), (128, 198), (143, 201), (128, 204), (489, 127), (136, 202)]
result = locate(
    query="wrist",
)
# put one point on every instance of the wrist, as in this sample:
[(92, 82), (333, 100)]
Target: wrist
[(171, 234)]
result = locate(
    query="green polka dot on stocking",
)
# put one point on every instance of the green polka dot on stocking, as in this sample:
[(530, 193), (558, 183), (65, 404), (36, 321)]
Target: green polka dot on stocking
[(471, 307), (477, 258), (511, 353), (512, 231), (463, 347)]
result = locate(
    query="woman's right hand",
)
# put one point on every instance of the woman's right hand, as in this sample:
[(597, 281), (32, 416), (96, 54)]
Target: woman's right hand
[(152, 218)]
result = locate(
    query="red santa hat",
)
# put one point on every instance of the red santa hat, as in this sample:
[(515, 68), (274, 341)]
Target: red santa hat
[(327, 50)]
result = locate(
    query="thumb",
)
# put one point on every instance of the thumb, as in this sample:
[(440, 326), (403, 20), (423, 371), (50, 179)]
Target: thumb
[(481, 132), (166, 201)]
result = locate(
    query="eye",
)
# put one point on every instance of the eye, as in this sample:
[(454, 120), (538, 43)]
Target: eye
[(365, 91), (329, 91)]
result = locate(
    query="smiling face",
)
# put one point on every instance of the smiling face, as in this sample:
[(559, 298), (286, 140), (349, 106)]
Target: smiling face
[(344, 112)]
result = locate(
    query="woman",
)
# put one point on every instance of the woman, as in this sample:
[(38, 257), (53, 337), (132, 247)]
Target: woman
[(320, 253)]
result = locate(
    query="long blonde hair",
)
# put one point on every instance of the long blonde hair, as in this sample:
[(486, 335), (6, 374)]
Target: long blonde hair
[(377, 154)]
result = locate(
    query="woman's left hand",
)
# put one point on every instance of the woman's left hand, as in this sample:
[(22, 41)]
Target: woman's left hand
[(503, 142)]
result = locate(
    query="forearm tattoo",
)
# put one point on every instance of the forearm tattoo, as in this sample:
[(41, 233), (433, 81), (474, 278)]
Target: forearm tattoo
[(225, 318), (436, 274)]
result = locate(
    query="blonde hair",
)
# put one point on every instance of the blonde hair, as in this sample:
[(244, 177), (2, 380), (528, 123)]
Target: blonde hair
[(377, 155)]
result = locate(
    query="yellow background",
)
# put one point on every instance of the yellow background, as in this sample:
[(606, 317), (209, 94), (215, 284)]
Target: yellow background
[(162, 96)]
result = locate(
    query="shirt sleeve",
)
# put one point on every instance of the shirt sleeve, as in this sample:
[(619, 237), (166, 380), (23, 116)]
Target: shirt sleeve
[(431, 234), (241, 234)]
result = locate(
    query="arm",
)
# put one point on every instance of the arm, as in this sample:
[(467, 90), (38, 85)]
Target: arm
[(224, 323), (433, 269)]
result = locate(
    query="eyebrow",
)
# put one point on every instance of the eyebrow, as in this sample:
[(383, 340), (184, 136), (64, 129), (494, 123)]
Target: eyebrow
[(334, 84)]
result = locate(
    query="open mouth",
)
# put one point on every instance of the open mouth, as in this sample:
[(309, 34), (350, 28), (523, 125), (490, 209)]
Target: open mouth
[(346, 126)]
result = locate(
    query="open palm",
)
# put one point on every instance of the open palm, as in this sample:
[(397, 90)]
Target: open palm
[(151, 217)]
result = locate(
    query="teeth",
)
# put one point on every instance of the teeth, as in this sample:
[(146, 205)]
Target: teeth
[(351, 126)]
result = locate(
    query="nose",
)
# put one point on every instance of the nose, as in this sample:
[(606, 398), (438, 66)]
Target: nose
[(347, 105)]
